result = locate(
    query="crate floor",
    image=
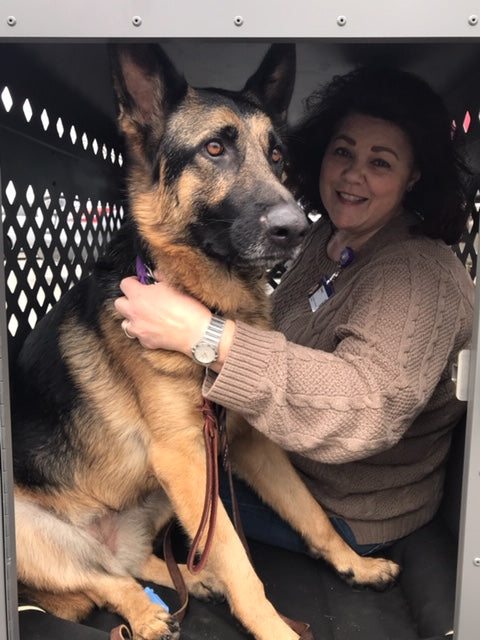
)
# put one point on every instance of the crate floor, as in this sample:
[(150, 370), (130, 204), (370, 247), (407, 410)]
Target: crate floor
[(420, 606)]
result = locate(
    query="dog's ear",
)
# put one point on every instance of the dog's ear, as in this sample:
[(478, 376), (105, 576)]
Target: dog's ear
[(272, 84), (147, 86)]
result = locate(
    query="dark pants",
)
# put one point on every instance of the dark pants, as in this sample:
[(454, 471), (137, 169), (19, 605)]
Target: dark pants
[(263, 524)]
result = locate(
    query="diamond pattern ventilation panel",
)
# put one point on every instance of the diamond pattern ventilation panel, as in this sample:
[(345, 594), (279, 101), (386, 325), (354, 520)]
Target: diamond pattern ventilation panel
[(60, 205)]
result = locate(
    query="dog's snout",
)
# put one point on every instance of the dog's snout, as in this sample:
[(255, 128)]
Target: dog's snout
[(285, 225)]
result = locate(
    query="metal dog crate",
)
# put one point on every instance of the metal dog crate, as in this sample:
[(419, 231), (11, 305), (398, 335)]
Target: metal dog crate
[(61, 160)]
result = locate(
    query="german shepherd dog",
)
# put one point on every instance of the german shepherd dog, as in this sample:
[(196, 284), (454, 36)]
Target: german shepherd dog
[(108, 440)]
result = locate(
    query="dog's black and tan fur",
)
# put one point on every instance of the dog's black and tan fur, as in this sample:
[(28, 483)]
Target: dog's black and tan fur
[(108, 436)]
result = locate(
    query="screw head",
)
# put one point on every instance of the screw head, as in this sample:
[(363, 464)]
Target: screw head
[(341, 21), (136, 21), (238, 21), (476, 562), (11, 21), (473, 20)]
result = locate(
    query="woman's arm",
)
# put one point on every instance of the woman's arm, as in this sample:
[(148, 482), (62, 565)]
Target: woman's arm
[(331, 407)]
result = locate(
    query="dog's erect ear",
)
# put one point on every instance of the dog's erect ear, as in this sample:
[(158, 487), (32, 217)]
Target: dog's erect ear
[(272, 84), (147, 85)]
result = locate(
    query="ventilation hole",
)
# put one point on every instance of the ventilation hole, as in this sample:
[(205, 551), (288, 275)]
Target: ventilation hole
[(41, 296), (45, 119), (10, 192), (85, 141), (95, 146), (62, 201), (47, 199), (31, 238), (30, 195), (60, 128), (76, 204), (466, 121), (7, 99), (73, 134), (27, 110), (13, 325), (32, 318), (12, 282)]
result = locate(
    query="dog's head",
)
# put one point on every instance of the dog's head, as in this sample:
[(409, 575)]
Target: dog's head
[(206, 164)]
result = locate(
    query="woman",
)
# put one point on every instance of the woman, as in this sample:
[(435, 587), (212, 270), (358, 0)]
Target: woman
[(355, 380)]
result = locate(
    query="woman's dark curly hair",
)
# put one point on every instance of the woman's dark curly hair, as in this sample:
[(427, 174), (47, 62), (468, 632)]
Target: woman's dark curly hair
[(440, 195)]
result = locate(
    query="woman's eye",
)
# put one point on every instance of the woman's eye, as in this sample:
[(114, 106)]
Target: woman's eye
[(341, 151), (276, 155), (379, 162), (214, 148)]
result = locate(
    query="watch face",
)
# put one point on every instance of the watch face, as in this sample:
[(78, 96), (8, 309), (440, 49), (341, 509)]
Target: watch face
[(204, 353)]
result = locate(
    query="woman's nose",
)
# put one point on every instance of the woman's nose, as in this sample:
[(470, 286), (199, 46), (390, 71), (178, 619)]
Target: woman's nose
[(354, 171)]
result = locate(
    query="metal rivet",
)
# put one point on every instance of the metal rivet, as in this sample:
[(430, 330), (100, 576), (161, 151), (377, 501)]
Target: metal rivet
[(476, 562), (473, 20), (136, 21), (238, 21), (11, 21), (341, 21)]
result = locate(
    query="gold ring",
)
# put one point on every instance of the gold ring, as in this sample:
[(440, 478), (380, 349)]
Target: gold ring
[(125, 330)]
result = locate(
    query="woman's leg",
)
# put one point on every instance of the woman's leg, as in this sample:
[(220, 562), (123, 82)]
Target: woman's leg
[(263, 524)]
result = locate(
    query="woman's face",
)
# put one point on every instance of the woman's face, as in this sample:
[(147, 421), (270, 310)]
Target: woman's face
[(367, 167)]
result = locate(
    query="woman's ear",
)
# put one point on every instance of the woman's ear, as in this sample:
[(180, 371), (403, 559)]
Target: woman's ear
[(414, 178)]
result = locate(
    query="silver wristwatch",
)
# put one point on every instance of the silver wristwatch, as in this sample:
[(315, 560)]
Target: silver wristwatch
[(205, 352)]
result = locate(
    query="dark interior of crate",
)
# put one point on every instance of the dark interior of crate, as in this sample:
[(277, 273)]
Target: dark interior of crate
[(62, 194)]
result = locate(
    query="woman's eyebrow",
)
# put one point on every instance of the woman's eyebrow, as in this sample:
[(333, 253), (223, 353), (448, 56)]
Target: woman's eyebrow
[(378, 148)]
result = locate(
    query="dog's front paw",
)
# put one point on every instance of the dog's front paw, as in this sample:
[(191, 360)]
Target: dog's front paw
[(378, 573), (157, 624)]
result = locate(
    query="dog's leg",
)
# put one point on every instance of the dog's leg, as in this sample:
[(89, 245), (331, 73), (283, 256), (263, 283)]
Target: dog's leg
[(55, 557), (180, 465), (203, 586), (267, 469)]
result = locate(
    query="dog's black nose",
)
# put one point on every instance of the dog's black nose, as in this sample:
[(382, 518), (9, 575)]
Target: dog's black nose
[(285, 225)]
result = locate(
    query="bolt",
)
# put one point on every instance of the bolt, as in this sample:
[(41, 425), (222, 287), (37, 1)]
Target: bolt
[(341, 21), (238, 21), (476, 562), (11, 21), (136, 21), (473, 20)]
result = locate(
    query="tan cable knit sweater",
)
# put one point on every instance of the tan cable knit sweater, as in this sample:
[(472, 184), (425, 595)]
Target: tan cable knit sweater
[(360, 391)]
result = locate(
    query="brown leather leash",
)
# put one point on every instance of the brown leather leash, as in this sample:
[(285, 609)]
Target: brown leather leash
[(211, 428), (215, 427)]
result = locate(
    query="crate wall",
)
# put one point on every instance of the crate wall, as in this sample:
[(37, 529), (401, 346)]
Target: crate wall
[(61, 169)]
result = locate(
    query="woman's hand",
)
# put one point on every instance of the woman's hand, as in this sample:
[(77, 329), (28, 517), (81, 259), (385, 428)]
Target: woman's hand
[(161, 317)]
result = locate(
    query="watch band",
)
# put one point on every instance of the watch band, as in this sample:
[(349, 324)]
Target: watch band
[(214, 331)]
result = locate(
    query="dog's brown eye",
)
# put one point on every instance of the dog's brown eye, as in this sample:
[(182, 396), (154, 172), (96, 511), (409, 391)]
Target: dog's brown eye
[(276, 154), (214, 148)]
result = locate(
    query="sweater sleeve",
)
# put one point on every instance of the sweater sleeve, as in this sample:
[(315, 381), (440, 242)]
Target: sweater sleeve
[(392, 348)]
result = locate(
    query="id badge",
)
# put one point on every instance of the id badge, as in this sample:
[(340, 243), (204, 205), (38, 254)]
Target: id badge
[(320, 293)]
